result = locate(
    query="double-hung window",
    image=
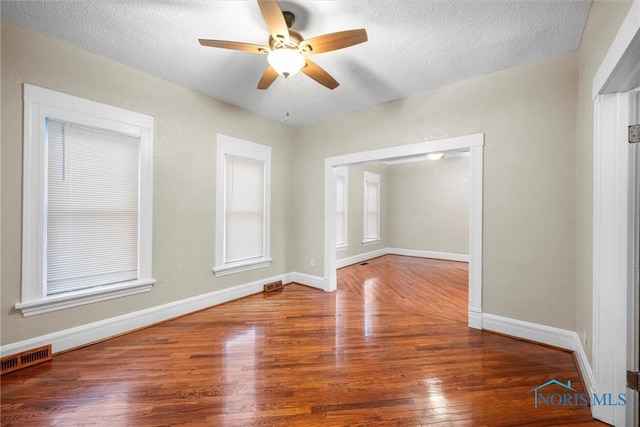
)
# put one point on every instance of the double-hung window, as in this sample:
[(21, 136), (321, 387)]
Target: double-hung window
[(243, 203), (371, 204), (87, 201), (342, 207)]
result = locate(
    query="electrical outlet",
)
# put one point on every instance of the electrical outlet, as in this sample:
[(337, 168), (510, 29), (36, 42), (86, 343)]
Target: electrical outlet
[(584, 337), (312, 262)]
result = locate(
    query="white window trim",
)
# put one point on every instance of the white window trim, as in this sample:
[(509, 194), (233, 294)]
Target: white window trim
[(343, 171), (40, 104), (370, 177), (227, 145)]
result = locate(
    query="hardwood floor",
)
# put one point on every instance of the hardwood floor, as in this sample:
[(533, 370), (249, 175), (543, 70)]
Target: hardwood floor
[(390, 347)]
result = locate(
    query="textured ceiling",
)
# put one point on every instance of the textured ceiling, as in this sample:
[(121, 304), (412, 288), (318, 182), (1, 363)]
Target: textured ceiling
[(413, 46)]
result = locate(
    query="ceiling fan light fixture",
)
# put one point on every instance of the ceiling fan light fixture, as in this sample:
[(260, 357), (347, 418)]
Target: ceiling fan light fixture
[(285, 61)]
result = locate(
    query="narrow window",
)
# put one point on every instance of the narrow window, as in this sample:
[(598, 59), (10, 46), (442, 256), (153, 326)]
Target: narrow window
[(243, 204), (244, 213), (342, 208), (371, 202)]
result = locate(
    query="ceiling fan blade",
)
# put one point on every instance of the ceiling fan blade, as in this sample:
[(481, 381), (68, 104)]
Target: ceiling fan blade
[(334, 41), (318, 74), (274, 19), (269, 76), (225, 44)]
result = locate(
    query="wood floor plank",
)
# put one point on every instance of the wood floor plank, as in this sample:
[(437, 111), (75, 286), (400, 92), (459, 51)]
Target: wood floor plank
[(390, 347)]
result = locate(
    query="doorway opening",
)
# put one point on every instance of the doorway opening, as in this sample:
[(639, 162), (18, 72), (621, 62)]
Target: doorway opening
[(474, 144)]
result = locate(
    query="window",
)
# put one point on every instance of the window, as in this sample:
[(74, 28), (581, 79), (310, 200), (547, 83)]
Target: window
[(87, 202), (243, 193), (342, 207), (371, 221)]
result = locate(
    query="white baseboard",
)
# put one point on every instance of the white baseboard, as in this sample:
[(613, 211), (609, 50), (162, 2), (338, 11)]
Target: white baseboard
[(343, 262), (543, 334), (103, 329), (475, 318), (583, 365), (530, 331), (428, 254), (309, 280)]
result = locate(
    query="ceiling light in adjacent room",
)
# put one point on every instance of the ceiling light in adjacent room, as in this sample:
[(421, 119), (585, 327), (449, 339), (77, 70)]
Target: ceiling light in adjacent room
[(286, 61), (435, 156)]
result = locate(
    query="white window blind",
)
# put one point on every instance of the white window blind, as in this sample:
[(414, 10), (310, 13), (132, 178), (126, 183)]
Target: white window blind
[(92, 207), (245, 208), (243, 204), (341, 235), (371, 207), (87, 202)]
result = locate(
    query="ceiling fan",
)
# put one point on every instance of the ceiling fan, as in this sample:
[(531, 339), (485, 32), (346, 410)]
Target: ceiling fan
[(287, 51)]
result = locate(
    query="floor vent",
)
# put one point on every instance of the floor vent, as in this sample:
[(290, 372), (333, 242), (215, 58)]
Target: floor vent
[(364, 263), (275, 286), (26, 358)]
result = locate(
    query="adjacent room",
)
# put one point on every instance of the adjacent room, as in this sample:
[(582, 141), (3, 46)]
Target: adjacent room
[(320, 213)]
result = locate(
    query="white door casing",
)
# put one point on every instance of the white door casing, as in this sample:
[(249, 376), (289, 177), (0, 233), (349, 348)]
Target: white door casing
[(475, 144), (614, 208)]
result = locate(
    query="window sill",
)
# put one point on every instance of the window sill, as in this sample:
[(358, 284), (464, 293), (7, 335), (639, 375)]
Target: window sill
[(85, 296), (369, 242), (342, 247), (239, 267)]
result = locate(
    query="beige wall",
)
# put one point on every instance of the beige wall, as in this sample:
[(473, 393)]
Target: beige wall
[(186, 124), (356, 213), (425, 206), (528, 115), (429, 205), (603, 23)]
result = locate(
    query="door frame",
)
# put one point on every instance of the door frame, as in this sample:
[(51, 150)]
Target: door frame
[(615, 333), (475, 145)]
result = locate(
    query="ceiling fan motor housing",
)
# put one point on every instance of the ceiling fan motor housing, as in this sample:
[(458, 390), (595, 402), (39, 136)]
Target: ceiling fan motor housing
[(295, 38), (289, 18)]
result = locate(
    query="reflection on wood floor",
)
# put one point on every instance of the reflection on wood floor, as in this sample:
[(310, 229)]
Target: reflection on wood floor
[(390, 347)]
